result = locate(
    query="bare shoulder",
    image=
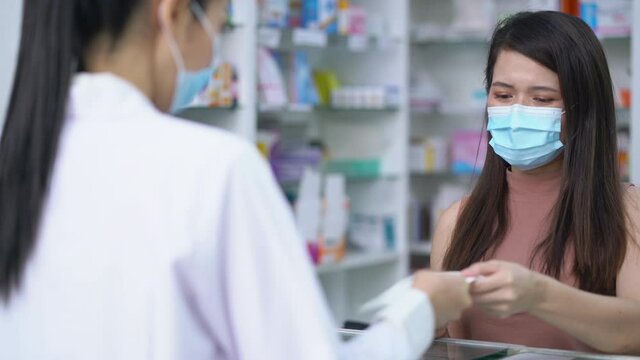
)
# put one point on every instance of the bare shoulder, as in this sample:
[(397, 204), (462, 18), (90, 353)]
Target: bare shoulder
[(632, 200), (442, 235), (632, 207), (627, 285), (450, 216)]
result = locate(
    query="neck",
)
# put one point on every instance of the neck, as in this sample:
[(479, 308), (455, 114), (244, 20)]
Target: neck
[(125, 59), (553, 166)]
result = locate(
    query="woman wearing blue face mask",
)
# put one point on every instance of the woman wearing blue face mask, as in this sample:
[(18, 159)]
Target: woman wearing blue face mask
[(126, 233), (549, 228)]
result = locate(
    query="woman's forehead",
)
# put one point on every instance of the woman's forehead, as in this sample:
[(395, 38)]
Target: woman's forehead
[(515, 69)]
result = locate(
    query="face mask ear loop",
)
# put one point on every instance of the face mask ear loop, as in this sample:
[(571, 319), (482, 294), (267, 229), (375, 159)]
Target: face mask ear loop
[(216, 42), (202, 17), (173, 45)]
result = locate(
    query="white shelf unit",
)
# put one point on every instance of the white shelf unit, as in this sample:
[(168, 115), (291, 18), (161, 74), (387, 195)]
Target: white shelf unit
[(456, 63), (353, 134), (346, 133)]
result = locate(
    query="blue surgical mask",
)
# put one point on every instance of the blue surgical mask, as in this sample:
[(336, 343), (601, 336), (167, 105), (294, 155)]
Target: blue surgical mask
[(190, 83), (526, 137)]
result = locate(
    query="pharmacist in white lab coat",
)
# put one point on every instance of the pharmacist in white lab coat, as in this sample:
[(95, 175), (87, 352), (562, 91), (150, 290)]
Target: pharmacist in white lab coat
[(126, 233)]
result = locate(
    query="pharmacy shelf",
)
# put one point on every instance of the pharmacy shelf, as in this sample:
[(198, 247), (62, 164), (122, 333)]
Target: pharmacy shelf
[(355, 261), (303, 116), (231, 27), (461, 110), (623, 117), (299, 38), (307, 110), (381, 177), (346, 133), (349, 179), (440, 174), (450, 39), (365, 110), (211, 109), (422, 248), (612, 38)]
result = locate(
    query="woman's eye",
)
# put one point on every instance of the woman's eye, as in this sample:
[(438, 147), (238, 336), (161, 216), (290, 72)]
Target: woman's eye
[(543, 100), (502, 96)]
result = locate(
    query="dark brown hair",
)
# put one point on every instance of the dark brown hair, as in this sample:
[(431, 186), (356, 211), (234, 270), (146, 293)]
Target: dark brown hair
[(589, 213)]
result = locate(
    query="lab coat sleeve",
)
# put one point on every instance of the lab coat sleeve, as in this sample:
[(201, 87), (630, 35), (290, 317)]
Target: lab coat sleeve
[(275, 308), (402, 330)]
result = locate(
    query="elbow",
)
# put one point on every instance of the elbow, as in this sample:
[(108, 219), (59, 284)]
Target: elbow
[(625, 345)]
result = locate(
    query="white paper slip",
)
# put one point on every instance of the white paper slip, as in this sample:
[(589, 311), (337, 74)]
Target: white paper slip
[(468, 279)]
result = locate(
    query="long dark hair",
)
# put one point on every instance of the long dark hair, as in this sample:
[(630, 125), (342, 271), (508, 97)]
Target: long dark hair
[(589, 213), (55, 34)]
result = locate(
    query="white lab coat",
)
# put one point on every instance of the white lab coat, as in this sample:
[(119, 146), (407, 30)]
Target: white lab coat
[(164, 239)]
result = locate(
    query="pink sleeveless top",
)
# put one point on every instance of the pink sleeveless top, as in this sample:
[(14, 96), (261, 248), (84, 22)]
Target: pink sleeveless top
[(531, 201)]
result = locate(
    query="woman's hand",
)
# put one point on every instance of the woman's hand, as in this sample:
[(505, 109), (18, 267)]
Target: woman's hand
[(503, 289)]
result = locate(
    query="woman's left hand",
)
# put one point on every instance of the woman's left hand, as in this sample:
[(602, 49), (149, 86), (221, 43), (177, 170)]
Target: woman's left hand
[(503, 289)]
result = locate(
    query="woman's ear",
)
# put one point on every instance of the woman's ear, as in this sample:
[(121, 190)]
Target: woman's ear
[(169, 20), (172, 15)]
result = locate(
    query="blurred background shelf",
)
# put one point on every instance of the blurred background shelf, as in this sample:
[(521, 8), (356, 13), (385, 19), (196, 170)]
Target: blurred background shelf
[(212, 109), (312, 39), (304, 109), (421, 249), (351, 179), (356, 261), (451, 39)]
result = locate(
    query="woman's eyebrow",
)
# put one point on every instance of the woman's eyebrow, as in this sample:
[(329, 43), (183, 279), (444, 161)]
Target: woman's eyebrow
[(502, 84), (543, 88), (532, 88)]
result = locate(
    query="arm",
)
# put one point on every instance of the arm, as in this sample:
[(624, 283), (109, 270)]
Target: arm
[(608, 324), (449, 294), (442, 235), (273, 307), (403, 330), (441, 241)]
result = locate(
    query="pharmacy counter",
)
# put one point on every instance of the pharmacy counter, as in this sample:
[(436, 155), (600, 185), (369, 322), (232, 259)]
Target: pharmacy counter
[(453, 349)]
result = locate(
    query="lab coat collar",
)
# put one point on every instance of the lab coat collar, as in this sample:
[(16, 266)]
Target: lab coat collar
[(100, 92)]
